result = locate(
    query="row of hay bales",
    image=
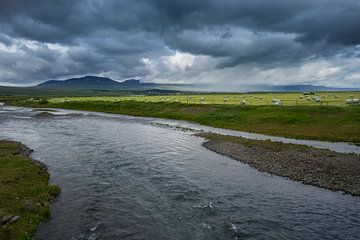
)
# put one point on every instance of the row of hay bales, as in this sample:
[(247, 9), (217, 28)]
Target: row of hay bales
[(275, 101), (309, 98), (239, 99), (352, 101)]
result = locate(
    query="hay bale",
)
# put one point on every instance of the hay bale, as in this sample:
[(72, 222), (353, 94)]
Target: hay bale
[(276, 100), (352, 101)]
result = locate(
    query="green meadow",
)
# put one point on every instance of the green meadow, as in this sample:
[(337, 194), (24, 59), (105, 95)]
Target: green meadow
[(309, 120)]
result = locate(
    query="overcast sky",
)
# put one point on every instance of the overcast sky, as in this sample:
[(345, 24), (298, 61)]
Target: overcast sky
[(275, 42)]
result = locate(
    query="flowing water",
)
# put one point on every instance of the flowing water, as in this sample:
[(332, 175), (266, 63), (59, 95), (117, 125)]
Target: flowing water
[(126, 178)]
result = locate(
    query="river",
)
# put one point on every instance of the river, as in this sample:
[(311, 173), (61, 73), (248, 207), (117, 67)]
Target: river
[(128, 178)]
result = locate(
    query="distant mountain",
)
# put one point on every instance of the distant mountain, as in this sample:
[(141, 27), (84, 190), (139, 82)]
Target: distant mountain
[(102, 83), (95, 83), (131, 82), (87, 82), (301, 88)]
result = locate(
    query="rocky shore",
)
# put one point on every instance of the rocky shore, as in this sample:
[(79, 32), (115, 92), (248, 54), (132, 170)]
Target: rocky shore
[(323, 168)]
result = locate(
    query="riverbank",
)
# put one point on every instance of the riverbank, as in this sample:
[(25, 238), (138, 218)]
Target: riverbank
[(322, 168), (25, 192), (335, 124)]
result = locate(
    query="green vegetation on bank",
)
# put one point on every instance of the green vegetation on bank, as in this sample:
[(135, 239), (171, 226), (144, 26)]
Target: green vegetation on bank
[(39, 92), (24, 192), (303, 122)]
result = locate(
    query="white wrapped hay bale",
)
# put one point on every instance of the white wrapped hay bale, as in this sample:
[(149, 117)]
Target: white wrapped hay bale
[(276, 102), (352, 101)]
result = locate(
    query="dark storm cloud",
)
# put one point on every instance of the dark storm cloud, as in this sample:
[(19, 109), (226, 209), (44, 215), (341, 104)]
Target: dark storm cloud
[(318, 28), (96, 36), (330, 20)]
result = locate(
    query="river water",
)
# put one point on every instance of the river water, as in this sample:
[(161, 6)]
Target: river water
[(128, 178)]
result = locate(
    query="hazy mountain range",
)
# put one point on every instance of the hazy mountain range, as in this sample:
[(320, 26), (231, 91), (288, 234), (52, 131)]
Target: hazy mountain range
[(103, 83), (91, 82)]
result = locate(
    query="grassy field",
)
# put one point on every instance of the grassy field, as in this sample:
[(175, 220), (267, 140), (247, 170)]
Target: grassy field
[(304, 122), (38, 92), (24, 193), (287, 99)]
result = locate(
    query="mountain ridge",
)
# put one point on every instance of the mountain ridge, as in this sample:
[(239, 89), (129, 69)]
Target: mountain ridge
[(104, 83)]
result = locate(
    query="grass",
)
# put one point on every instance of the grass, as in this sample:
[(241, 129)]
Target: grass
[(24, 192), (304, 122)]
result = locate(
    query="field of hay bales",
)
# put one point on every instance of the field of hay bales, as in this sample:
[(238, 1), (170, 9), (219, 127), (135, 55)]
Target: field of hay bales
[(258, 99)]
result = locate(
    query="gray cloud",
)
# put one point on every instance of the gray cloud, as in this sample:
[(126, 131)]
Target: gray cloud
[(42, 39)]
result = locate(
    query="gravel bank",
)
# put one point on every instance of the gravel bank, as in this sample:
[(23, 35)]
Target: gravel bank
[(323, 168)]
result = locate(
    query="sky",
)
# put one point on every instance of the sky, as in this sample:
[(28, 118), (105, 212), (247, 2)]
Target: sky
[(227, 42)]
